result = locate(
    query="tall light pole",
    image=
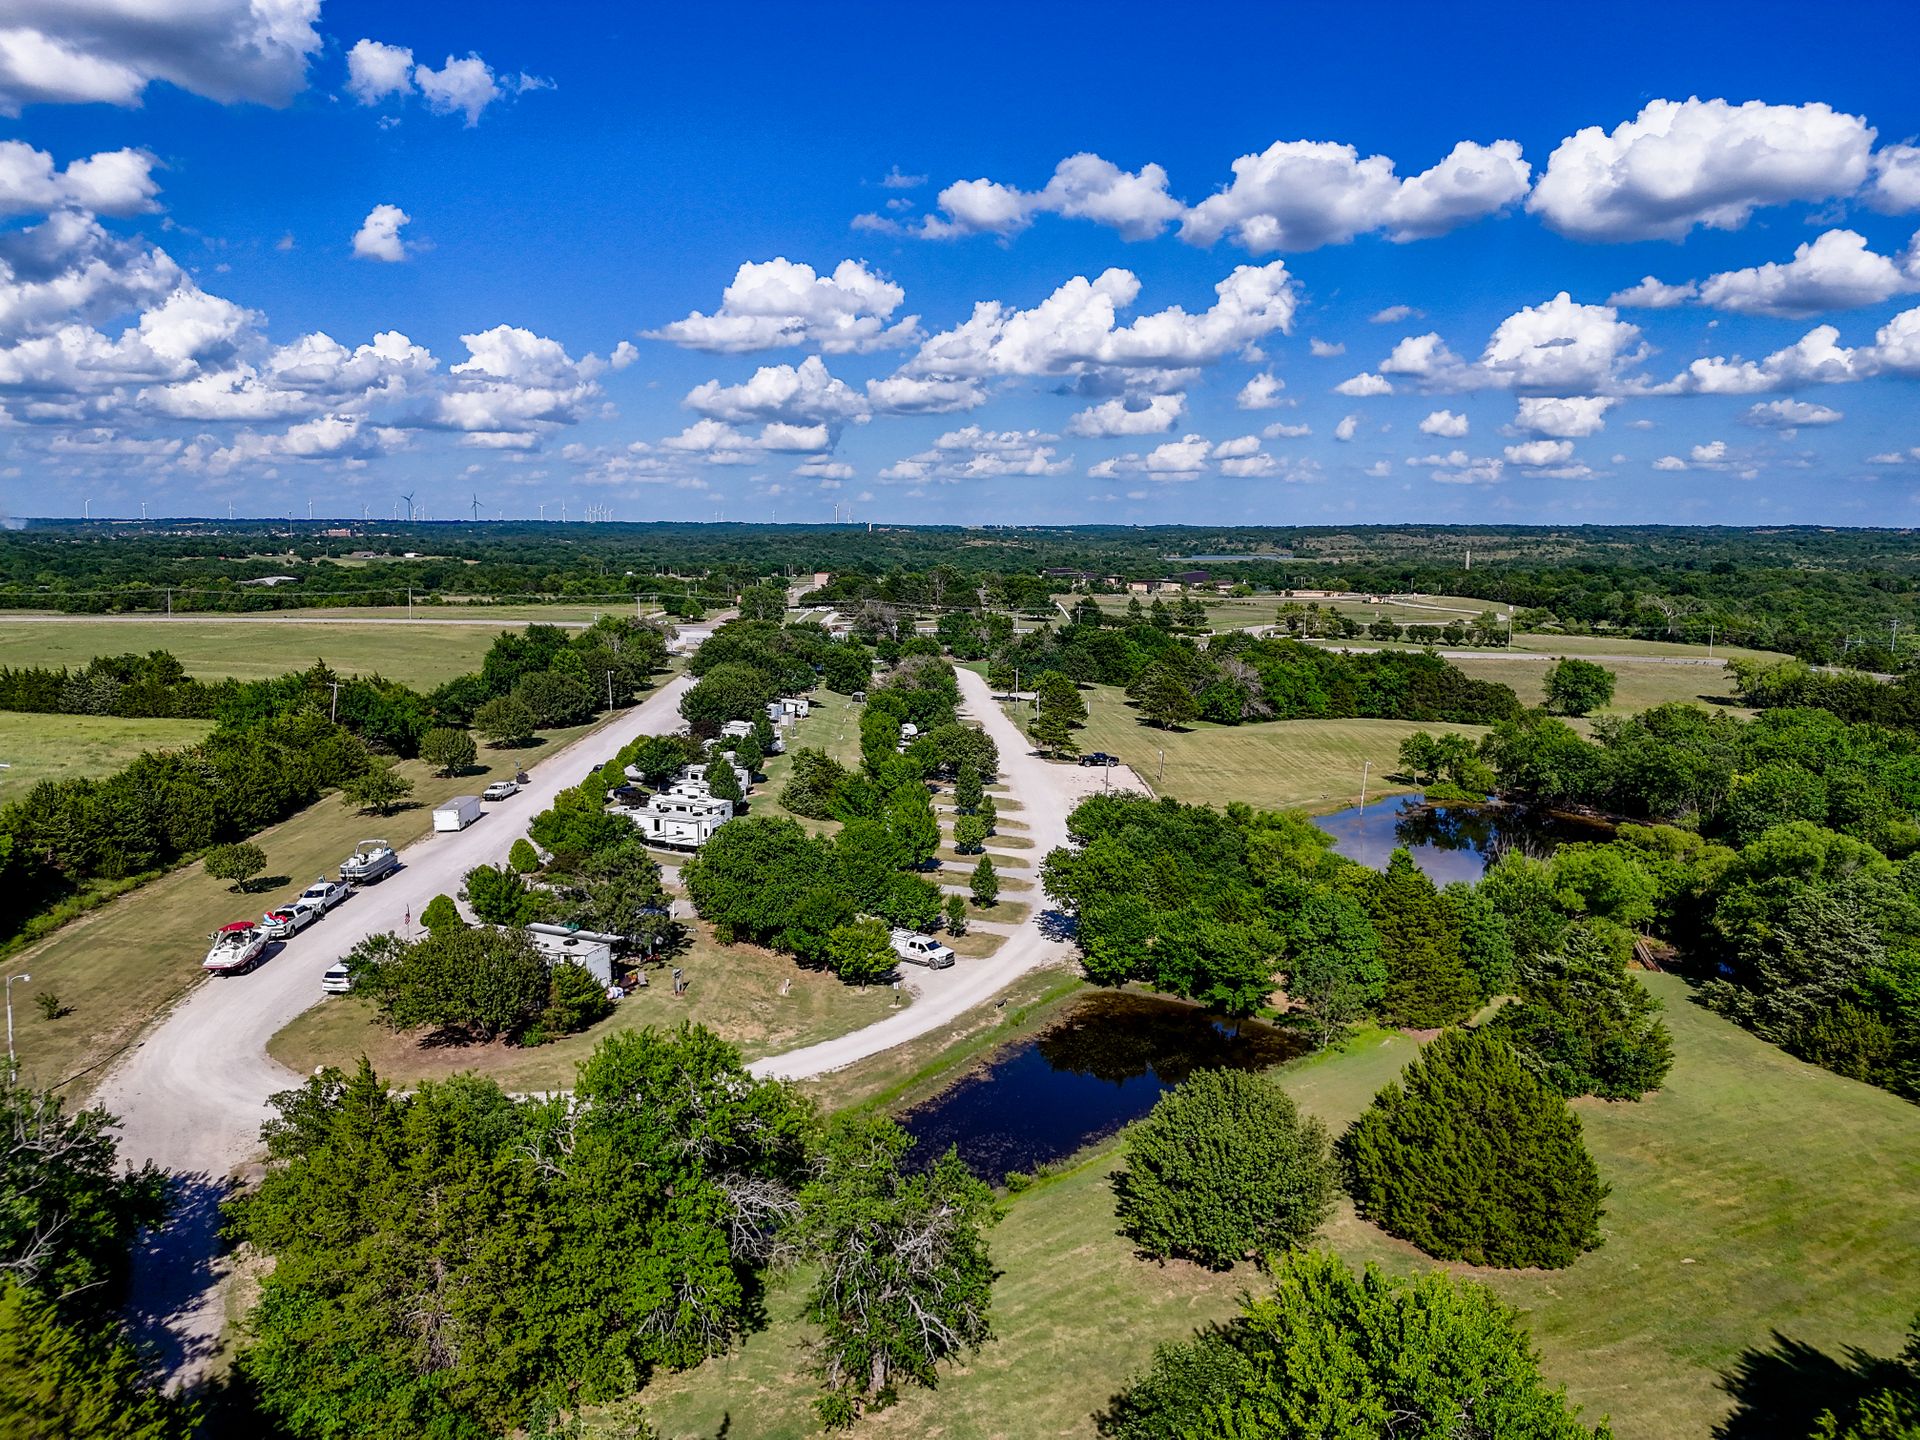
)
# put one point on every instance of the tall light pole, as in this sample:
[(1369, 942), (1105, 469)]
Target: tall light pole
[(23, 979)]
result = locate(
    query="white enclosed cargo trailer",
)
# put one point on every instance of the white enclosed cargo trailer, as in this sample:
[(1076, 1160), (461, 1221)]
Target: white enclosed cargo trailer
[(457, 813)]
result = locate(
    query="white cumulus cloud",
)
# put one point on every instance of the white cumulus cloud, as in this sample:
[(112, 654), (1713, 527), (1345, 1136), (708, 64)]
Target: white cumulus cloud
[(1262, 392), (113, 182), (1687, 163), (378, 237), (1444, 423), (1566, 417), (779, 302), (1118, 417), (1363, 384)]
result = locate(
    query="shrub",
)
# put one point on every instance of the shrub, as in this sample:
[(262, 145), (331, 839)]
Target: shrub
[(499, 896), (1471, 1158), (523, 857), (1331, 1352), (471, 983), (238, 863), (377, 789), (1225, 1167), (969, 833), (956, 908), (1585, 1026)]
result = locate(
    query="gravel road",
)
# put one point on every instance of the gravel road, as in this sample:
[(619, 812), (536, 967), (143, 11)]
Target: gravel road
[(1049, 790), (191, 1096)]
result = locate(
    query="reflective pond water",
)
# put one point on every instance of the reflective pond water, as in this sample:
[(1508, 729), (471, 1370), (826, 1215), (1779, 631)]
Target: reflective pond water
[(1101, 1065), (1449, 842)]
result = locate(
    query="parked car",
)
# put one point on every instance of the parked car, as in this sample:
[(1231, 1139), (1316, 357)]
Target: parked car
[(1099, 757), (338, 980), (289, 919), (324, 894), (918, 949), (500, 790)]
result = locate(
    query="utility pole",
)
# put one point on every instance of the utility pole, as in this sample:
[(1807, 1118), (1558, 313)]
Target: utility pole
[(409, 602), (23, 979), (333, 710), (169, 600), (609, 689), (1365, 767)]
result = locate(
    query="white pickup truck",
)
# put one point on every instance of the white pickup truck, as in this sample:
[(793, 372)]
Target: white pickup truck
[(917, 949)]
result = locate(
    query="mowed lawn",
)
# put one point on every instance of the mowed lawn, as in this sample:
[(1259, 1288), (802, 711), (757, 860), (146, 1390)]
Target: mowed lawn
[(123, 964), (1754, 1195), (734, 990), (421, 655), (71, 747), (1271, 765), (1638, 685)]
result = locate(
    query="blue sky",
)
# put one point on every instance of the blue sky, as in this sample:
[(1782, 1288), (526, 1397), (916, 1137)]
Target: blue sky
[(1015, 264)]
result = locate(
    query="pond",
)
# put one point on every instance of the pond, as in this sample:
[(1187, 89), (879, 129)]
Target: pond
[(1099, 1066), (1449, 842)]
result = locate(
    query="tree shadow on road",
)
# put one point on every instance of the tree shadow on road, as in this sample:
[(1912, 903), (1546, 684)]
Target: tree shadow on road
[(170, 1310)]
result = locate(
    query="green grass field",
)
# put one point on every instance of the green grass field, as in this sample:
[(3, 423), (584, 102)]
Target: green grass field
[(68, 747), (1755, 1194), (1637, 685), (419, 655), (734, 990), (122, 964), (1272, 765)]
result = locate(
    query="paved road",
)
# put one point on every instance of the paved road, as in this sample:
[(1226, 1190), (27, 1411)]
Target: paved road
[(192, 1095), (1049, 791)]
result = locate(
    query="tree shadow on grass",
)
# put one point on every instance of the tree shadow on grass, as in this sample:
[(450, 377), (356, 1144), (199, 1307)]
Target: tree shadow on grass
[(1781, 1391), (264, 882)]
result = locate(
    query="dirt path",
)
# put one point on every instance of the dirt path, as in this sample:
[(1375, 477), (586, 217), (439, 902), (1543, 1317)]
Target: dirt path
[(191, 1096), (1049, 790)]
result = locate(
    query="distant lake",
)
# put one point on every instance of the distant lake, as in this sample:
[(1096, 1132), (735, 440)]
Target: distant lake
[(1221, 559), (1101, 1065), (1448, 842)]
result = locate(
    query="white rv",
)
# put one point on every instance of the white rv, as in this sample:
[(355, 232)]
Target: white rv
[(679, 821), (589, 949)]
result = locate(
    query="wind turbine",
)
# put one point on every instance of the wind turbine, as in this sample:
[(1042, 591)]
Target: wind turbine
[(476, 507), (407, 495)]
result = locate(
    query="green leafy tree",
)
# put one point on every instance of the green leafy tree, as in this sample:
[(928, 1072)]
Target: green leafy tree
[(969, 833), (1578, 687), (440, 913), (1052, 732), (989, 812), (967, 790), (748, 752), (1333, 962), (915, 828), (238, 863), (1055, 691), (1470, 1122), (449, 751), (750, 878), (59, 1380), (812, 783), (506, 722), (861, 952), (763, 602), (724, 781), (1428, 984), (1333, 1353), (454, 1262), (1163, 696), (1585, 1026), (1224, 1168), (905, 1281), (498, 896), (956, 914), (523, 857), (575, 1000), (377, 790), (477, 983), (557, 698), (732, 690), (69, 1215), (985, 883)]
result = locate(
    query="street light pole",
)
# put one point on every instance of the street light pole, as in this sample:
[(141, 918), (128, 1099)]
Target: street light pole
[(23, 979)]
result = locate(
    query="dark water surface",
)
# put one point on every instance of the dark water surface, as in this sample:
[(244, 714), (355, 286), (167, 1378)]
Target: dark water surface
[(1101, 1065), (1449, 842)]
